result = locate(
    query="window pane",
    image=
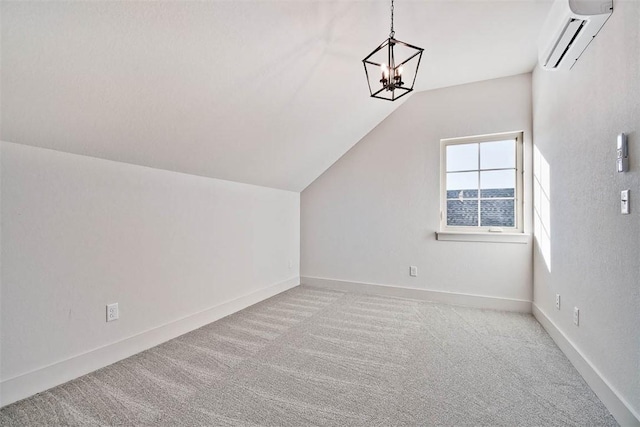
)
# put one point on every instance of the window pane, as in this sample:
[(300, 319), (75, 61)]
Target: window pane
[(462, 213), (498, 183), (462, 181), (462, 157), (497, 213), (498, 155)]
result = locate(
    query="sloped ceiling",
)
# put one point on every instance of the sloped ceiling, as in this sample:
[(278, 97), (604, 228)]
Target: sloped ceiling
[(263, 92)]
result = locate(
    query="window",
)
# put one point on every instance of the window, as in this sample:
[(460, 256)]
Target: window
[(481, 187)]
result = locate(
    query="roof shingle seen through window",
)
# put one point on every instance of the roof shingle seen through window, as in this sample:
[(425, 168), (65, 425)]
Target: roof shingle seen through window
[(493, 213)]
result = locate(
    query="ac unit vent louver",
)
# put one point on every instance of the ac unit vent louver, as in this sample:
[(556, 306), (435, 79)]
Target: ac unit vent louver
[(568, 30)]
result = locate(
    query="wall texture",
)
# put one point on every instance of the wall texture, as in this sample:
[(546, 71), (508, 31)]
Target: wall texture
[(79, 233), (591, 256), (375, 211)]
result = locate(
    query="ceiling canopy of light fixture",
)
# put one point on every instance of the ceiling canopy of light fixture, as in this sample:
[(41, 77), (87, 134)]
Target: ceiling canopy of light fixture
[(396, 63)]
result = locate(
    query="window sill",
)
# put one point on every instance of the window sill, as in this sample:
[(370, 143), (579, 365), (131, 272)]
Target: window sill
[(459, 236)]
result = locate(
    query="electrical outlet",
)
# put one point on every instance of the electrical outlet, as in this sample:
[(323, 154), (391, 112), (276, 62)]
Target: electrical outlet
[(290, 264), (112, 312), (413, 271), (558, 301), (576, 316)]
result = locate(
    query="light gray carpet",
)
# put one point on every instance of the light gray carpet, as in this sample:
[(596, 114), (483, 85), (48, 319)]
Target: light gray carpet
[(317, 357)]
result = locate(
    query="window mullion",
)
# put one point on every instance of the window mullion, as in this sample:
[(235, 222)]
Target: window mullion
[(479, 185)]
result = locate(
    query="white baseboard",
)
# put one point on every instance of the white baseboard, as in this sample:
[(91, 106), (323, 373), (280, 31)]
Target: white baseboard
[(30, 383), (469, 300), (616, 404)]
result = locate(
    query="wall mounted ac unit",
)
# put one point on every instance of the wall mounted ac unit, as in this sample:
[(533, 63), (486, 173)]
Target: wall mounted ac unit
[(568, 30)]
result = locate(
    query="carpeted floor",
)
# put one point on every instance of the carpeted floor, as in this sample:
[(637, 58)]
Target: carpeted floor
[(317, 357)]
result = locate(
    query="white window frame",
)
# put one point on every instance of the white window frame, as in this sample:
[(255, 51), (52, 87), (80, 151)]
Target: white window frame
[(497, 234)]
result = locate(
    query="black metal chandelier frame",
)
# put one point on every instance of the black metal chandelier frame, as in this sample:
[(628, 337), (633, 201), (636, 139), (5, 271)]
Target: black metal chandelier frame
[(391, 73)]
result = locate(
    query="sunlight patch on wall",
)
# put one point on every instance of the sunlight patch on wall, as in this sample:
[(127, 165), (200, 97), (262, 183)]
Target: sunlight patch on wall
[(542, 205)]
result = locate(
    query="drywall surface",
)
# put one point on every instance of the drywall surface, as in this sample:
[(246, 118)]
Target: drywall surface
[(591, 256), (375, 212), (264, 92), (1, 349), (80, 232)]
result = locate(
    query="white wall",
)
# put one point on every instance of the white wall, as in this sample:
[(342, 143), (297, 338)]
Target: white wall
[(81, 232), (375, 211), (594, 250)]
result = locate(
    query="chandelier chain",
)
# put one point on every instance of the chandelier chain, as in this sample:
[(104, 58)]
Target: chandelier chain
[(392, 33)]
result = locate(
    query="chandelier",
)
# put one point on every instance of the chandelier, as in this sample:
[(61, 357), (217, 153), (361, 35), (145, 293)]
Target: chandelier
[(395, 63)]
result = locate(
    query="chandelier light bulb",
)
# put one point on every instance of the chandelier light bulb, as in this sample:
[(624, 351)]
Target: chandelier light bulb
[(385, 71)]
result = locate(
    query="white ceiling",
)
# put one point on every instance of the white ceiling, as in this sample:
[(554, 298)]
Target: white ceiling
[(264, 92)]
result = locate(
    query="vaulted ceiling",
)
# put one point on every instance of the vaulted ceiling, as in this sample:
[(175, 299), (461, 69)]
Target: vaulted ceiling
[(264, 92)]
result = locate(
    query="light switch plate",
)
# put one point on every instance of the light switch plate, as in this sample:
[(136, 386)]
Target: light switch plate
[(624, 202)]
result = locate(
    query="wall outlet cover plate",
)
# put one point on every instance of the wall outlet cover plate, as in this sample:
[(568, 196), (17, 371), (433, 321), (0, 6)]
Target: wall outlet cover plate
[(413, 271), (112, 312)]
